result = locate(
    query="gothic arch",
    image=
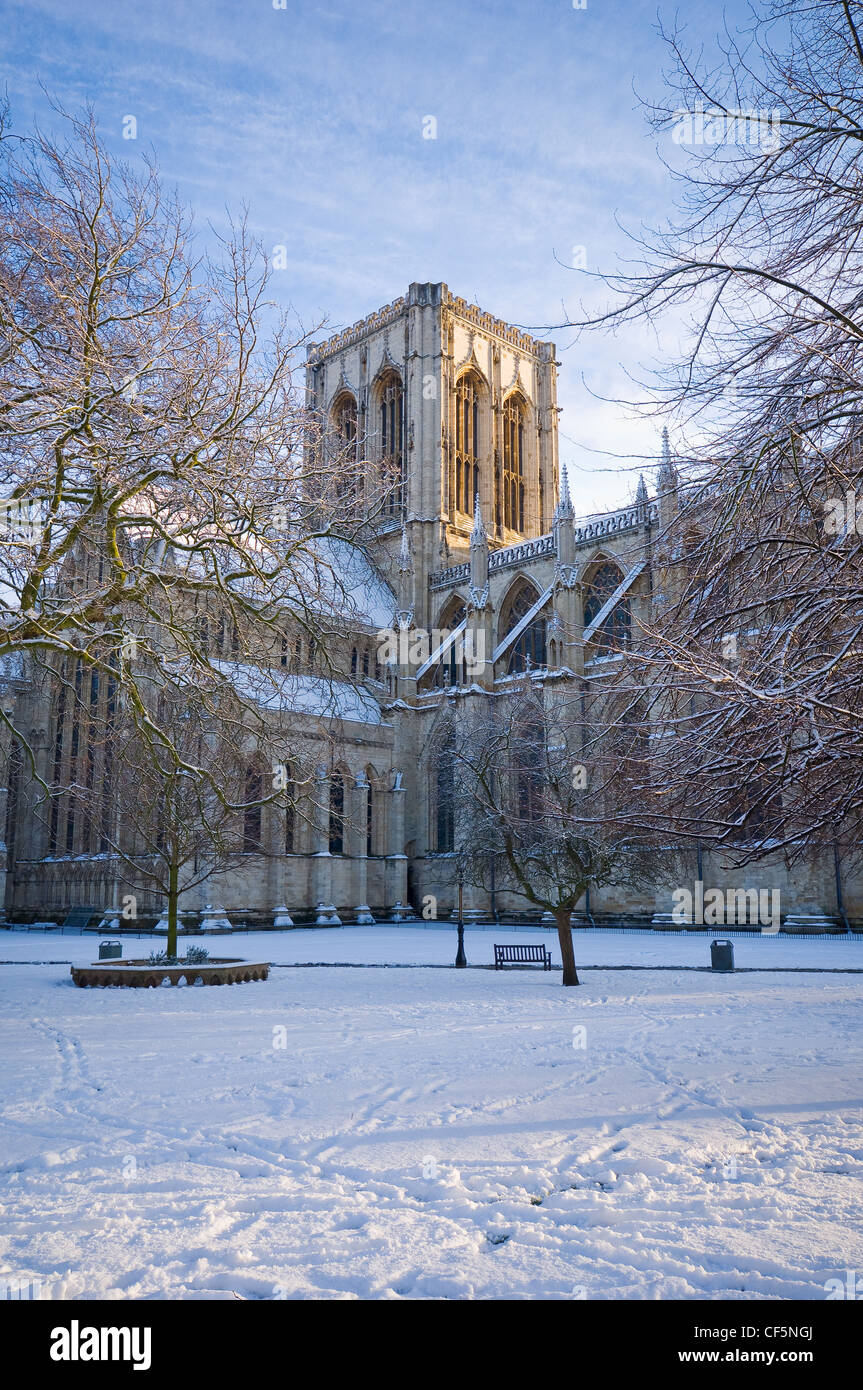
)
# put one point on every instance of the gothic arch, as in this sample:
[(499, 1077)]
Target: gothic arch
[(440, 772), (599, 581), (528, 651), (452, 613), (470, 437), (514, 423), (376, 804), (339, 781), (388, 406)]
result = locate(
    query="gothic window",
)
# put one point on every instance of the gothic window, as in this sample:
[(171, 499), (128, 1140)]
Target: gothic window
[(513, 463), (449, 671), (290, 811), (252, 817), (466, 442), (391, 409), (615, 630), (528, 651), (13, 782), (370, 814), (528, 760), (337, 813), (284, 651), (443, 795), (354, 661), (345, 426)]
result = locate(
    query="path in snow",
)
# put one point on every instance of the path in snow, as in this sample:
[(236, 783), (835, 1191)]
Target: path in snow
[(427, 1133)]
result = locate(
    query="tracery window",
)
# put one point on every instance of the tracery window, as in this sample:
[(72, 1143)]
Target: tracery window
[(252, 817), (391, 424), (528, 651), (513, 463), (442, 798), (615, 630), (337, 813), (345, 426), (466, 442)]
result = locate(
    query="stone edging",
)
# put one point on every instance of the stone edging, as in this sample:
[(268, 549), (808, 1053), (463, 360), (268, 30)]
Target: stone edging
[(139, 974)]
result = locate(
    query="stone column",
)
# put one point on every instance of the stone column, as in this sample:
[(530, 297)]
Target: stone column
[(359, 795), (397, 859)]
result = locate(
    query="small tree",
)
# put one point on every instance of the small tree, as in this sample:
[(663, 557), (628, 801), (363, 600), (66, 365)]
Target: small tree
[(189, 805), (540, 799)]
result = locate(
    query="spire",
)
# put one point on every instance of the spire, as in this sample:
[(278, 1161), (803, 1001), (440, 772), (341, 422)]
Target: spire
[(641, 491), (667, 472), (478, 559), (562, 530), (564, 511)]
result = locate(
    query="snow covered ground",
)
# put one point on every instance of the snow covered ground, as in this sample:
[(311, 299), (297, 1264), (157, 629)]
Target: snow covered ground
[(416, 1133)]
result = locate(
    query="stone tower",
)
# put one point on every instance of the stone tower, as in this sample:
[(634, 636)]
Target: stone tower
[(456, 404)]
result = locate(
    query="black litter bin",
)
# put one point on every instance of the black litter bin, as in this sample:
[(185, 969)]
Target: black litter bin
[(110, 950), (722, 955)]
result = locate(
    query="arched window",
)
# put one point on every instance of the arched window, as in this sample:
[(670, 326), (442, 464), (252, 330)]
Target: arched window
[(290, 810), (391, 424), (13, 783), (615, 630), (528, 651), (252, 817), (443, 795), (337, 814), (354, 661), (370, 813), (345, 426), (448, 672), (466, 442), (528, 758), (513, 463)]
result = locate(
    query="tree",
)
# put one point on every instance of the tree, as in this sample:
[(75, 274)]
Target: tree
[(186, 807), (539, 794), (757, 651), (160, 474)]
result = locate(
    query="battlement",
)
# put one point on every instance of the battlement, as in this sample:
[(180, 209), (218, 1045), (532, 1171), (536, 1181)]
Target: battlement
[(430, 294)]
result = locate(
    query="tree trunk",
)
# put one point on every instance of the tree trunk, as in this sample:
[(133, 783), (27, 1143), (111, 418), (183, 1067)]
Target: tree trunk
[(567, 950), (173, 895)]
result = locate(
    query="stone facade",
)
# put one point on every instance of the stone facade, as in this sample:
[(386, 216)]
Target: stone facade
[(478, 538)]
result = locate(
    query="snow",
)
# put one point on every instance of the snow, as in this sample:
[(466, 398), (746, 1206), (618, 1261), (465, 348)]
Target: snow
[(283, 690), (433, 1133)]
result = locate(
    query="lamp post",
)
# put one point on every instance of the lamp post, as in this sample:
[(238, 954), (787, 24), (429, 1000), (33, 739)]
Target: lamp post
[(461, 958)]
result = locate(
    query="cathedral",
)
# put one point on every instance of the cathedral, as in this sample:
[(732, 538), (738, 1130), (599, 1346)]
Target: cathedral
[(476, 572)]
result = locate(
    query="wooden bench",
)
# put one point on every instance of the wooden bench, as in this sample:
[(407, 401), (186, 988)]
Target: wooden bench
[(522, 954)]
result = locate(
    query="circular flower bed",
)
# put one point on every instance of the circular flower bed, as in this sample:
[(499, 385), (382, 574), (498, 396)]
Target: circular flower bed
[(142, 974)]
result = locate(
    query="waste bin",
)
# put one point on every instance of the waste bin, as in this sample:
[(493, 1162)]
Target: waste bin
[(722, 955), (110, 950)]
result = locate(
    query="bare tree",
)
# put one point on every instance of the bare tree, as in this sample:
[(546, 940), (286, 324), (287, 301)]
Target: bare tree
[(756, 650), (185, 808), (540, 791), (160, 474)]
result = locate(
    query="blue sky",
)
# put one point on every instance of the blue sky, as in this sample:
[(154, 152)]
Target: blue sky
[(313, 115)]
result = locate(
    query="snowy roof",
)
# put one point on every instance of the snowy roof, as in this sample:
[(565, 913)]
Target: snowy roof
[(301, 694)]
